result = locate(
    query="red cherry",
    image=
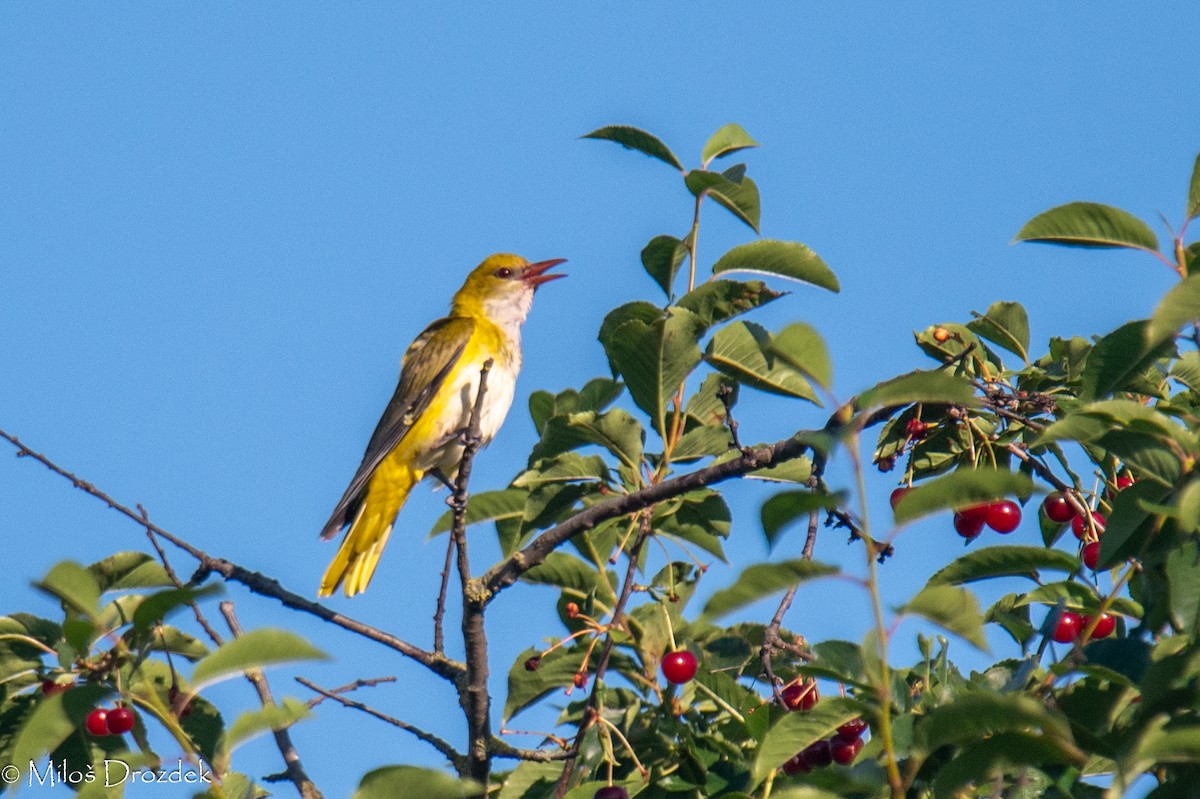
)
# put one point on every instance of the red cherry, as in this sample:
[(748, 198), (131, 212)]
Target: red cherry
[(898, 494), (817, 755), (1058, 508), (796, 765), (679, 667), (968, 525), (119, 721), (611, 792), (916, 429), (1068, 628), (572, 610), (1091, 554), (1124, 481), (1003, 516), (1104, 627), (844, 750), (800, 696), (50, 687), (852, 729), (580, 679), (97, 722), (1079, 525)]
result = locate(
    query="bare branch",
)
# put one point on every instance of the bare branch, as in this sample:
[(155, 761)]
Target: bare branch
[(258, 583), (353, 686), (473, 690), (295, 769), (448, 751)]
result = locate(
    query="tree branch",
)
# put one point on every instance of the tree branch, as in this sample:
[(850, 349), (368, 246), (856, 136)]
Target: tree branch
[(295, 769), (257, 583), (450, 753), (352, 686), (473, 691), (510, 569)]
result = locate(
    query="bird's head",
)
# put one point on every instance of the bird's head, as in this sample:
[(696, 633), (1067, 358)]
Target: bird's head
[(501, 288)]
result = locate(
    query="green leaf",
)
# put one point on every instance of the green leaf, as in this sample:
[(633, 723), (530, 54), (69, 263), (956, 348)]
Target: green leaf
[(634, 139), (1121, 355), (702, 442), (1006, 324), (157, 606), (700, 517), (727, 140), (74, 585), (564, 571), (952, 608), (555, 670), (640, 311), (1179, 307), (1183, 575), (961, 489), (564, 468), (129, 570), (976, 715), (719, 300), (271, 717), (801, 347), (486, 506), (781, 510), (1083, 224), (655, 359), (789, 259), (1187, 369), (762, 580), (739, 194), (615, 430), (1003, 561), (411, 782), (929, 387), (254, 650), (1193, 206), (662, 258), (1131, 522), (794, 731), (742, 351), (1002, 753)]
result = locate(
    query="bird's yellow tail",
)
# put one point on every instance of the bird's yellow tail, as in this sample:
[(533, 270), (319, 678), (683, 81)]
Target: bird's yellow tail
[(359, 553)]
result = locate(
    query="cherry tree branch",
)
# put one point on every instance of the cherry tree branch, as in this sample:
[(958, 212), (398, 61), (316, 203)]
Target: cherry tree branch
[(473, 689), (450, 753), (508, 571), (295, 769), (255, 581)]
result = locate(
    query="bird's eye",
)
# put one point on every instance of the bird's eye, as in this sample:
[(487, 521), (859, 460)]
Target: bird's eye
[(504, 271)]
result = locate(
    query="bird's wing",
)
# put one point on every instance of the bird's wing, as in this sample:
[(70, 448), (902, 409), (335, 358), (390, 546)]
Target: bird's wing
[(426, 365)]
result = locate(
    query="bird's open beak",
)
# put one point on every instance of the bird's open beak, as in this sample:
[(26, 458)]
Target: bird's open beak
[(534, 274)]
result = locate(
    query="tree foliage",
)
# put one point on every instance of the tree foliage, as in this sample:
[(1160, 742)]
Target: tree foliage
[(638, 456)]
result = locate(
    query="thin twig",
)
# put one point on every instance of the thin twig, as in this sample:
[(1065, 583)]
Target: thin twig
[(450, 753), (771, 637), (589, 712), (258, 583), (295, 769), (353, 686), (213, 635)]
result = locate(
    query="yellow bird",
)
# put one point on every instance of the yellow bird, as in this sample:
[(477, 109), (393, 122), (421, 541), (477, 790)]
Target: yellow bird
[(419, 431)]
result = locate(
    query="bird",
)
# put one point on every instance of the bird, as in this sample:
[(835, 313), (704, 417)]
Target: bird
[(419, 433)]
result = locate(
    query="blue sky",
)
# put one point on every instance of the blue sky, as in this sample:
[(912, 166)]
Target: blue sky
[(222, 224)]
